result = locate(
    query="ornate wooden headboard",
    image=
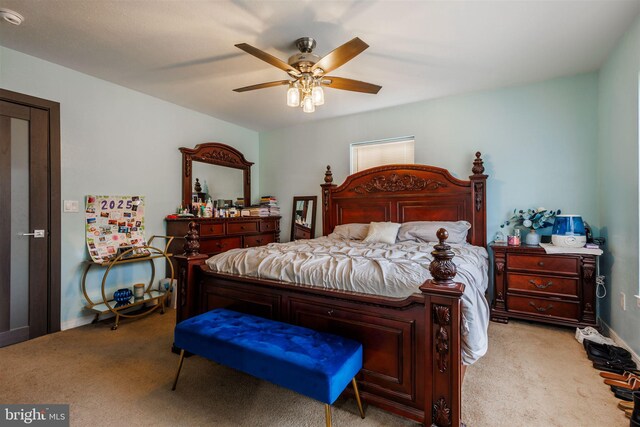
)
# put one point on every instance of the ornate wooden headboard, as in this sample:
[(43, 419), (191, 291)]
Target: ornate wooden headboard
[(402, 193)]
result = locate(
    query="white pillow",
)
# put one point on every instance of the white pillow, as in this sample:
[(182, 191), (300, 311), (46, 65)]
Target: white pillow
[(425, 231), (382, 232), (350, 231)]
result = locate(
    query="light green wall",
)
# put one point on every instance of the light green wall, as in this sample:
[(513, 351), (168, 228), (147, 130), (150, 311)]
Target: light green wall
[(618, 183), (538, 142), (115, 141)]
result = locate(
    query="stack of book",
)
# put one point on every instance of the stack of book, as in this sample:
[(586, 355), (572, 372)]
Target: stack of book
[(270, 205), (257, 211)]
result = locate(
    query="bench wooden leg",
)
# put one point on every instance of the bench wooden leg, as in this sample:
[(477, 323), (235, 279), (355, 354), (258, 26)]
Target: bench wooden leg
[(355, 390), (327, 414), (175, 382)]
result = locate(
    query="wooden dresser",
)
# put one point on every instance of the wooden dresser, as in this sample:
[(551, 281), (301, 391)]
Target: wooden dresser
[(533, 285), (221, 234), (217, 235)]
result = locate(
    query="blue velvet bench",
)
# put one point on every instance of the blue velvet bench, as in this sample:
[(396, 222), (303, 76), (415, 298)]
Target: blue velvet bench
[(315, 364)]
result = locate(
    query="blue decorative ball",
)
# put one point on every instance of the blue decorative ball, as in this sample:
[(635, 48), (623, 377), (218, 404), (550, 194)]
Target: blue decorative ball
[(122, 296)]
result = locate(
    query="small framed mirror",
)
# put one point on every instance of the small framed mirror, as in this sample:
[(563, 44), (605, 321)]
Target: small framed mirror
[(303, 221)]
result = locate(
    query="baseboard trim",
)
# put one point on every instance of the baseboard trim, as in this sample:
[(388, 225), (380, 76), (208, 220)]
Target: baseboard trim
[(81, 321), (612, 334)]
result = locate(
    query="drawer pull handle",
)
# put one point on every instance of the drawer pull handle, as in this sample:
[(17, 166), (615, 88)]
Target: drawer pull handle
[(541, 264), (541, 285), (540, 309), (330, 312)]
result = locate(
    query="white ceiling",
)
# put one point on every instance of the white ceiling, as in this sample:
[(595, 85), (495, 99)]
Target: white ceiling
[(183, 51)]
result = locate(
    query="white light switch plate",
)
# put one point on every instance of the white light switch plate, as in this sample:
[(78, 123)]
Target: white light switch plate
[(71, 206)]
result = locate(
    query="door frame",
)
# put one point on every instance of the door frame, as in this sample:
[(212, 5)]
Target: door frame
[(54, 203)]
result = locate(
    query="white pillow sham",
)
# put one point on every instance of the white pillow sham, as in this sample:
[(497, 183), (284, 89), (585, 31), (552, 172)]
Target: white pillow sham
[(382, 232), (425, 231), (353, 231)]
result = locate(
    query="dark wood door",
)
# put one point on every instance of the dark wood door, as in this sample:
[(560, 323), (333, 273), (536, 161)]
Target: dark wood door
[(24, 223)]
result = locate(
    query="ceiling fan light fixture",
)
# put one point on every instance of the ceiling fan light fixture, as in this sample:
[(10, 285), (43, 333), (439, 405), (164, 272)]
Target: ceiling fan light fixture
[(307, 104), (307, 72), (293, 96), (317, 94)]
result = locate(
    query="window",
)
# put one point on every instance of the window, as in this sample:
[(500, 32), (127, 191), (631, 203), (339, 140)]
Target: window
[(365, 155)]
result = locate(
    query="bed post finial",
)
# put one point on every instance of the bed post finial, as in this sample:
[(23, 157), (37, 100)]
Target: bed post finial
[(327, 226), (442, 268), (192, 240), (478, 232), (478, 164), (328, 175)]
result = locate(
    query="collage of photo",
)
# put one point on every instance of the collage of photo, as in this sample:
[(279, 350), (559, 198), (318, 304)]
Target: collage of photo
[(113, 223)]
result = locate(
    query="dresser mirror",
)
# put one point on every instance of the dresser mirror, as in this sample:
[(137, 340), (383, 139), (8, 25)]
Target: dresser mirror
[(303, 221), (225, 170), (219, 182)]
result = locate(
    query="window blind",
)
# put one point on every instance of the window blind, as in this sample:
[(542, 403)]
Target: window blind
[(365, 155)]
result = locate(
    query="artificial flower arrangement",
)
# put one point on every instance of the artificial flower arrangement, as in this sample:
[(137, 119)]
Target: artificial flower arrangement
[(532, 219)]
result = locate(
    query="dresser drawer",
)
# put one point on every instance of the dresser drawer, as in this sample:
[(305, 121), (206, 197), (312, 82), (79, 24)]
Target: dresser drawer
[(259, 240), (267, 226), (562, 286), (557, 264), (211, 246), (216, 229), (543, 307), (242, 227)]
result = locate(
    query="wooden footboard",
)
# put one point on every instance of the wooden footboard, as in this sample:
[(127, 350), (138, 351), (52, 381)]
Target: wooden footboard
[(411, 345)]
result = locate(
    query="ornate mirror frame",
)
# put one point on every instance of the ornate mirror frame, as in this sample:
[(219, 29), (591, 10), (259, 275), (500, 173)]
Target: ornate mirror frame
[(213, 153), (311, 201)]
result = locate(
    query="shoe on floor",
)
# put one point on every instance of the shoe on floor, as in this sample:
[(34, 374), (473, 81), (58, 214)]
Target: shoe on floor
[(615, 366), (620, 377), (623, 394), (604, 351), (623, 404), (633, 384), (592, 334)]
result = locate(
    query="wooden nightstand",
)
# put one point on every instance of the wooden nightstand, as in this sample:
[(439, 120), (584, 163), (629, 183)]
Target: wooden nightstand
[(533, 285)]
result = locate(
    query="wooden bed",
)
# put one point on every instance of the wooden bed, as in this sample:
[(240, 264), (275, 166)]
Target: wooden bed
[(411, 346)]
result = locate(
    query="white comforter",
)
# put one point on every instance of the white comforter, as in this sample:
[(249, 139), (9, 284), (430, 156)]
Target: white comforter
[(393, 270)]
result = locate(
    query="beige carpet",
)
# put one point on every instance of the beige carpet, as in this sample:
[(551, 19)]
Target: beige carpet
[(532, 376)]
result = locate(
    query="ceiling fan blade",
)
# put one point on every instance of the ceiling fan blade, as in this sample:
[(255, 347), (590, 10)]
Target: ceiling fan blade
[(348, 84), (268, 58), (340, 55), (262, 86)]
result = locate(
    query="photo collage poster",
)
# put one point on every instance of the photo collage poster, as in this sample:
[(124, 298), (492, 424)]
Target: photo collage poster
[(113, 222)]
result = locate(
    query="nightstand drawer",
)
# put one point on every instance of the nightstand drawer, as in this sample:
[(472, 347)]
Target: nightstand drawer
[(544, 307), (543, 263), (242, 227), (259, 240), (211, 246), (212, 229), (560, 286)]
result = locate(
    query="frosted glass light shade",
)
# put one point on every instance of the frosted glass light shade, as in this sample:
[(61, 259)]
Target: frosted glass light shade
[(317, 94), (307, 104), (293, 97)]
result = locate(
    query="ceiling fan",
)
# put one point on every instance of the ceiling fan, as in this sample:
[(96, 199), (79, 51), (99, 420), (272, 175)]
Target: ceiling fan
[(308, 72)]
